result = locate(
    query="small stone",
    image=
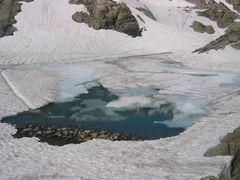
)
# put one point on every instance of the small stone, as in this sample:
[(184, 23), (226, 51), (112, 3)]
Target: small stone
[(39, 133), (88, 138), (94, 135), (82, 135), (102, 132), (87, 131), (36, 129), (27, 130), (113, 137), (102, 136)]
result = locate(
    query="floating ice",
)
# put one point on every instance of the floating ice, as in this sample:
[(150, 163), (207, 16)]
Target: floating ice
[(74, 83)]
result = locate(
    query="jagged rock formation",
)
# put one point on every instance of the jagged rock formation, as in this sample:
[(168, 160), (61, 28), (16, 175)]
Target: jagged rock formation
[(107, 14), (235, 3), (8, 10), (201, 28), (231, 37), (230, 145), (225, 18), (219, 13)]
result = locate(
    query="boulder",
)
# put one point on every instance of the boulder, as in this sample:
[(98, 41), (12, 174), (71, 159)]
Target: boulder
[(201, 28), (107, 14)]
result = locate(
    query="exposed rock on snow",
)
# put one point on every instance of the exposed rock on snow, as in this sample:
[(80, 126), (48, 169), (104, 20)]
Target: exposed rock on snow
[(220, 13), (225, 18), (231, 36), (107, 14), (235, 3), (177, 158), (201, 28), (8, 11), (230, 145)]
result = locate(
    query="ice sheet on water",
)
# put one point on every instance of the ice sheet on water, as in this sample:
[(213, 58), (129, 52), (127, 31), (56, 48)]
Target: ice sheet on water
[(76, 77)]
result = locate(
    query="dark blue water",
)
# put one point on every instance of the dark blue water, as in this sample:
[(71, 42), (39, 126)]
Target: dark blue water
[(89, 111)]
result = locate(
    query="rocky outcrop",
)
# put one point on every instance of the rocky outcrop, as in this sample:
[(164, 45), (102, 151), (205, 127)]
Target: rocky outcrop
[(219, 13), (107, 14), (235, 166), (230, 145), (224, 17), (231, 37), (235, 4), (66, 135), (8, 10), (201, 28)]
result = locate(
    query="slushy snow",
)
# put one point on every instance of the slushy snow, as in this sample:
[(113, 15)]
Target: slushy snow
[(33, 73)]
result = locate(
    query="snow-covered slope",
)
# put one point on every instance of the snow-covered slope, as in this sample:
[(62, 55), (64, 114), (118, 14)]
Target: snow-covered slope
[(47, 35)]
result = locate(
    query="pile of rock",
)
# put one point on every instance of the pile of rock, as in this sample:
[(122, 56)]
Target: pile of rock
[(66, 135), (107, 14)]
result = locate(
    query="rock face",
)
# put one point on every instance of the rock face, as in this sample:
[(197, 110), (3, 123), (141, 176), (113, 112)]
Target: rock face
[(201, 28), (107, 14), (231, 37), (235, 3), (224, 17), (8, 10), (235, 165), (219, 13), (230, 145)]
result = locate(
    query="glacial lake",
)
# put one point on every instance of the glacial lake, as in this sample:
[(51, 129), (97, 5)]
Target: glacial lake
[(89, 111)]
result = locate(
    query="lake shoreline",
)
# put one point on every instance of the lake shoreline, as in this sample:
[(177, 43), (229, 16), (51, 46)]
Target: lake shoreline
[(60, 136)]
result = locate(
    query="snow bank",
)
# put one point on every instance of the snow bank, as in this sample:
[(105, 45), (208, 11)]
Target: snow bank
[(47, 35)]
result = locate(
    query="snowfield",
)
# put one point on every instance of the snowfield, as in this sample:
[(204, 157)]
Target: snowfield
[(52, 58)]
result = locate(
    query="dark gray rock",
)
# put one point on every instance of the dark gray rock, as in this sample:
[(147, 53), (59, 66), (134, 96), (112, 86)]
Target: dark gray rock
[(107, 14)]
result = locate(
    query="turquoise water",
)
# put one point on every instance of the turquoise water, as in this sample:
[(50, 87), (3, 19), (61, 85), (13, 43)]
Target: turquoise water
[(89, 111)]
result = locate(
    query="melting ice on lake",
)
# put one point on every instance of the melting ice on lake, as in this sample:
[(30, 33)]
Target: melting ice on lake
[(91, 111), (161, 104)]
